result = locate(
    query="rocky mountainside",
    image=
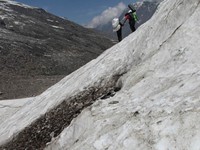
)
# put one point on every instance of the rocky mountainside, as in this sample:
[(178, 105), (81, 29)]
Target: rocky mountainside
[(143, 93), (145, 10), (38, 47)]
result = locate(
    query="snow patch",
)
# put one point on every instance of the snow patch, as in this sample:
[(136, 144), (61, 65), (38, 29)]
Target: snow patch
[(57, 27), (16, 22), (11, 2), (50, 20)]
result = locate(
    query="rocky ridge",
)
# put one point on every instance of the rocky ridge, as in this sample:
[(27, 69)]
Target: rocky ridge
[(37, 49)]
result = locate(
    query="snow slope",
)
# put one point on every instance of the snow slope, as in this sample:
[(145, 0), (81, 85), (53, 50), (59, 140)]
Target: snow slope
[(157, 68), (158, 106), (12, 2), (9, 107), (4, 6)]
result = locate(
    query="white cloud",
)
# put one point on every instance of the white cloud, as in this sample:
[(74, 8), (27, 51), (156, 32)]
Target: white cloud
[(107, 15)]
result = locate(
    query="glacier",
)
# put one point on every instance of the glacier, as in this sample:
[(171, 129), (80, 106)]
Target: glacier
[(157, 106)]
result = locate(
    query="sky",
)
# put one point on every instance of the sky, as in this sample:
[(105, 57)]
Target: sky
[(83, 12)]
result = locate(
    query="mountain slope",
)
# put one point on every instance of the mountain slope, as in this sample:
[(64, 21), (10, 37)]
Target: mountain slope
[(142, 93), (145, 10), (35, 44)]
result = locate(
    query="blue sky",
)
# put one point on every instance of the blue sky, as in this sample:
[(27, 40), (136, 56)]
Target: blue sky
[(79, 11)]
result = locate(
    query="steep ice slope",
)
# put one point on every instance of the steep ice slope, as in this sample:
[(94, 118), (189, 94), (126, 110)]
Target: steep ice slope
[(157, 107), (159, 104), (9, 107)]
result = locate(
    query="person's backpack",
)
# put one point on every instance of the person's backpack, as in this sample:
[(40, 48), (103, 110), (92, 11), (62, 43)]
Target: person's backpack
[(133, 12), (115, 24), (134, 16)]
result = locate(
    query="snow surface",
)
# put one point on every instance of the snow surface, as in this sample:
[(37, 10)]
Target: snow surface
[(9, 107), (4, 7), (11, 2), (57, 27), (50, 20), (158, 106)]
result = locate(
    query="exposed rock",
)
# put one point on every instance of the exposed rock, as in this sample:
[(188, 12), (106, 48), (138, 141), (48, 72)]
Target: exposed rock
[(157, 106), (35, 44)]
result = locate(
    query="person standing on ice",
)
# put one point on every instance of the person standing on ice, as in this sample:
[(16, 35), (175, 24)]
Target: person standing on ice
[(132, 18), (117, 28)]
